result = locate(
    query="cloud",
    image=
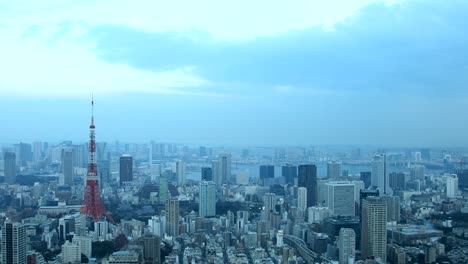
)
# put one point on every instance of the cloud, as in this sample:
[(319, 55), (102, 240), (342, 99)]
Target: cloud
[(411, 47)]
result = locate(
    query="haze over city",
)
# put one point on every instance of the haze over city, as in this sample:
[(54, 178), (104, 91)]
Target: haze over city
[(388, 73)]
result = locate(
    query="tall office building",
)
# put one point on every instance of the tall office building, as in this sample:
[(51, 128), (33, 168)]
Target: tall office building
[(417, 172), (172, 214), (104, 172), (14, 243), (225, 167), (163, 188), (206, 174), (365, 176), (374, 228), (379, 174), (302, 198), (269, 201), (180, 172), (393, 208), (289, 172), (333, 170), (23, 153), (216, 173), (452, 185), (67, 167), (397, 181), (340, 199), (207, 202), (126, 168), (267, 171), (9, 164), (152, 249), (308, 179), (37, 151), (347, 245)]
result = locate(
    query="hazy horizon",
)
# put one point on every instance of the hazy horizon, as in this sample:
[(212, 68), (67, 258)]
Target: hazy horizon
[(362, 72)]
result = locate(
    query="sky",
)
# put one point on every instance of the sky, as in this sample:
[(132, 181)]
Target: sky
[(300, 72)]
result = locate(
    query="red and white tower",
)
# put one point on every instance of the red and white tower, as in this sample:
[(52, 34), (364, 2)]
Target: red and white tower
[(92, 203)]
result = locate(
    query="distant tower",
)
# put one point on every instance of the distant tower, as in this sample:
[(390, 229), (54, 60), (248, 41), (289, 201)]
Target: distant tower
[(92, 203)]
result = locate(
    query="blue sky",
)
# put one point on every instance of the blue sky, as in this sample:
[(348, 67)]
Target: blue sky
[(239, 72)]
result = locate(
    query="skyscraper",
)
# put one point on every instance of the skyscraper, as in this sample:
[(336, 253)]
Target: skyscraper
[(172, 210), (379, 174), (347, 245), (452, 185), (67, 166), (393, 208), (216, 173), (126, 168), (9, 167), (333, 170), (37, 151), (308, 179), (163, 188), (14, 243), (225, 167), (302, 198), (152, 249), (206, 174), (180, 172), (207, 202), (104, 172), (289, 172), (374, 228), (340, 199), (267, 171)]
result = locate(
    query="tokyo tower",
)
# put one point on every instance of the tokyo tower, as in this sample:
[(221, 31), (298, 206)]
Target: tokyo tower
[(92, 203)]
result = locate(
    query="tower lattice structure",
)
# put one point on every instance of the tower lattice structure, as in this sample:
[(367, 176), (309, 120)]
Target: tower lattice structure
[(92, 203)]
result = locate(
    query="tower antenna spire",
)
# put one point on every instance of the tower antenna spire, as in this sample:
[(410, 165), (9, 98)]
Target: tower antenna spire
[(92, 109)]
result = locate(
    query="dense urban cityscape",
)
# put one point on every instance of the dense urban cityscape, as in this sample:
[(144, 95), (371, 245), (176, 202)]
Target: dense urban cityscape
[(233, 132), (172, 203)]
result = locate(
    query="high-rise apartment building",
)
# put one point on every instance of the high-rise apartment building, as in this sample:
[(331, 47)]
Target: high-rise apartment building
[(207, 202), (347, 245), (14, 243), (308, 178), (172, 216), (374, 228)]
